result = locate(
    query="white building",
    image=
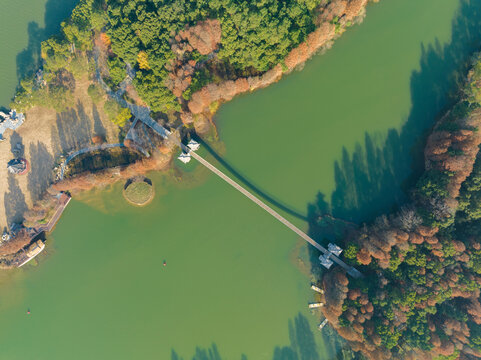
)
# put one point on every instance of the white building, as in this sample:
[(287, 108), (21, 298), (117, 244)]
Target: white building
[(193, 145), (185, 158), (11, 121), (336, 250), (325, 261)]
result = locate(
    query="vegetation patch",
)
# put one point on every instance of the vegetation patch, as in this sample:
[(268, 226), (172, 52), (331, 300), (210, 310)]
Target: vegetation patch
[(139, 191), (419, 297)]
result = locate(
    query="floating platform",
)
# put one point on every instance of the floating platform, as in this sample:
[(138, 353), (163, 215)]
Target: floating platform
[(317, 289), (333, 248), (321, 325), (325, 260), (316, 305)]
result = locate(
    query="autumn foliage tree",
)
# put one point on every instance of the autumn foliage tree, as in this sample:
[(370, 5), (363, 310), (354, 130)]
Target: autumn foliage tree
[(420, 296)]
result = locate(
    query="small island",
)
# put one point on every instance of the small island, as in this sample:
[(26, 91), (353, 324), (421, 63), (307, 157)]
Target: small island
[(139, 191)]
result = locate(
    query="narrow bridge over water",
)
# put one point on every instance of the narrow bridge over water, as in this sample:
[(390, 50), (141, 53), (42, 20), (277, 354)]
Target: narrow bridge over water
[(142, 113), (168, 136)]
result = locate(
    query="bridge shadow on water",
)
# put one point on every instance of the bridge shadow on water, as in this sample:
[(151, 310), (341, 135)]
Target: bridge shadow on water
[(248, 183), (302, 346), (28, 60), (376, 178)]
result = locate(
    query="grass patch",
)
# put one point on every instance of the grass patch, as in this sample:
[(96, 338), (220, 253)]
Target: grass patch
[(139, 192)]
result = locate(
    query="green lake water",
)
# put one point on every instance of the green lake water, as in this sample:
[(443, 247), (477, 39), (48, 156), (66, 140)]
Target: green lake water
[(346, 127), (24, 25)]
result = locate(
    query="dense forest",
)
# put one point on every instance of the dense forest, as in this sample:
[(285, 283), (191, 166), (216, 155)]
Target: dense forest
[(255, 35), (178, 47), (419, 298)]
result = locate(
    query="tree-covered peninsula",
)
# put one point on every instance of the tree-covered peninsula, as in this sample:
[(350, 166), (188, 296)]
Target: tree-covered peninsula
[(171, 61), (419, 298), (179, 47)]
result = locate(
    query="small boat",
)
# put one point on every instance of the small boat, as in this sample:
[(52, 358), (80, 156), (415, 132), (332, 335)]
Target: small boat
[(165, 263), (28, 311), (316, 305)]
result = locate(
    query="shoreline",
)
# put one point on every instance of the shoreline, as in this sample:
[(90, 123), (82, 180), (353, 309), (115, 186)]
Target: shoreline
[(428, 249), (331, 22)]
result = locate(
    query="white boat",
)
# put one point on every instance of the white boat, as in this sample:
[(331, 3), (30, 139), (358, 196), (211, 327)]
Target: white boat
[(317, 289), (34, 249), (321, 325)]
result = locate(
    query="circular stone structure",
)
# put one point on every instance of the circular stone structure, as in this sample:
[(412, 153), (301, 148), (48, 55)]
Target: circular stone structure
[(139, 192)]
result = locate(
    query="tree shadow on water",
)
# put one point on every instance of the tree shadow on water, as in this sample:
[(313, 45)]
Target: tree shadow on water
[(28, 59), (302, 345), (55, 12), (211, 353), (374, 179)]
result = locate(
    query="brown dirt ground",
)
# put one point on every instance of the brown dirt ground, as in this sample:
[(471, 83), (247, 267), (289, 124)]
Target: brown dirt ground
[(45, 135)]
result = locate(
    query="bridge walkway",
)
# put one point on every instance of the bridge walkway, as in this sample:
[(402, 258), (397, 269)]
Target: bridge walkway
[(168, 135), (142, 113), (271, 211)]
